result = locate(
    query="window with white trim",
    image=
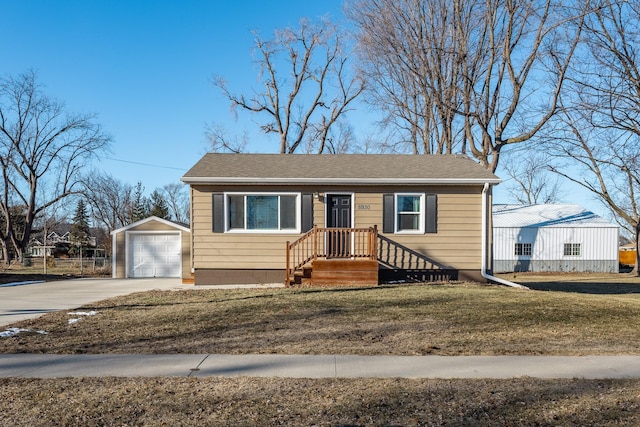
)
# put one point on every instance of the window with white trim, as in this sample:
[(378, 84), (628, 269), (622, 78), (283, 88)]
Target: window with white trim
[(572, 249), (263, 212), (523, 249), (409, 213)]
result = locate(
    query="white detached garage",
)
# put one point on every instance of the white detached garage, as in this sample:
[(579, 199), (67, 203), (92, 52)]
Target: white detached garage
[(152, 247)]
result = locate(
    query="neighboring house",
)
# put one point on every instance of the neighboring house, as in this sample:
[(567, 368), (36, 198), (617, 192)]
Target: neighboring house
[(57, 243), (328, 219), (552, 237), (152, 247)]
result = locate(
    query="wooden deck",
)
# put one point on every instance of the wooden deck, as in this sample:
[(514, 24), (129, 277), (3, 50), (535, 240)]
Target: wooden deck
[(334, 257)]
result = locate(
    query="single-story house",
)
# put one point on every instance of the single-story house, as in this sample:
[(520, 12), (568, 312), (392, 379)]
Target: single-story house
[(152, 247), (553, 237), (347, 218)]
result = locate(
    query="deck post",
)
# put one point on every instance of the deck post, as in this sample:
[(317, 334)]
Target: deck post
[(374, 242), (315, 241), (286, 282)]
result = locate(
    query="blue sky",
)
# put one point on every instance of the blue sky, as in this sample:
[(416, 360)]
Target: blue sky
[(145, 68)]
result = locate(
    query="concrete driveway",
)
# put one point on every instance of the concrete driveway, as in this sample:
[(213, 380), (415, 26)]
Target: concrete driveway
[(31, 300)]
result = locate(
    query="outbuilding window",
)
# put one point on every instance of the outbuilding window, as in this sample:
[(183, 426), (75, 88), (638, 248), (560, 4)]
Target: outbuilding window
[(572, 249), (523, 249)]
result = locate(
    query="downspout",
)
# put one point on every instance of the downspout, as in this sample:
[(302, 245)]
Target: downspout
[(485, 232)]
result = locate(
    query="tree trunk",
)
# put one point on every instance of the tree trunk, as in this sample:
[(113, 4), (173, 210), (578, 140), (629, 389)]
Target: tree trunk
[(636, 270), (6, 255)]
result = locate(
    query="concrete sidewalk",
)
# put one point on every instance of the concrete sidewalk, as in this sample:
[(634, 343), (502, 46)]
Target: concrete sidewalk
[(316, 366)]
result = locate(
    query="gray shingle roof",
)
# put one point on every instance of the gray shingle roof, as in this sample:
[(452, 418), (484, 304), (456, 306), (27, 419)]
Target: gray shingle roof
[(338, 168)]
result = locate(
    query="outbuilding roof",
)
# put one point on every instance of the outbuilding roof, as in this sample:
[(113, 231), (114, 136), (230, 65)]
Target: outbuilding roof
[(546, 215), (216, 168), (173, 224)]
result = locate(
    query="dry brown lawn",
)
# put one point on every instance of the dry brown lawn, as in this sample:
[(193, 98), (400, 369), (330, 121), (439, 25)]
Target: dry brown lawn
[(445, 319), (590, 318), (589, 283), (319, 402)]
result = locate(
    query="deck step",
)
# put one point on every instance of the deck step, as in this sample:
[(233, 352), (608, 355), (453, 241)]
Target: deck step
[(337, 272), (344, 272)]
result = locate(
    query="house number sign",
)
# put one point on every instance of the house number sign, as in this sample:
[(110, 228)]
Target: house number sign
[(364, 207)]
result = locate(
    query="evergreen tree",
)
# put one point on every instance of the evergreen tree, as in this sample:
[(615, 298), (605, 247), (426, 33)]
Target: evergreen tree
[(140, 206), (159, 206), (80, 232)]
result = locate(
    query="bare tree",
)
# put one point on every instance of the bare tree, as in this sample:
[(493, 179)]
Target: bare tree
[(178, 201), (411, 54), (304, 104), (221, 141), (532, 180), (43, 149), (467, 76), (109, 200), (601, 112), (609, 165)]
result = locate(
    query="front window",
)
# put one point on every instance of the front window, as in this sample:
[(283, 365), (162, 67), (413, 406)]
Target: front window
[(572, 249), (409, 213), (523, 249), (267, 212)]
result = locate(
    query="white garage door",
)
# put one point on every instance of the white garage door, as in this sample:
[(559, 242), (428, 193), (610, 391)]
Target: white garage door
[(154, 255)]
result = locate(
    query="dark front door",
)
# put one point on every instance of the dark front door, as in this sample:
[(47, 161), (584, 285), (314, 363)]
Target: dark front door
[(339, 217)]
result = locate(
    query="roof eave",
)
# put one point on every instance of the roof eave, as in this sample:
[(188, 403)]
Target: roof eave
[(340, 181), (148, 219)]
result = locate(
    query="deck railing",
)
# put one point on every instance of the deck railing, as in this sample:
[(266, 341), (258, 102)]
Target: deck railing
[(323, 242)]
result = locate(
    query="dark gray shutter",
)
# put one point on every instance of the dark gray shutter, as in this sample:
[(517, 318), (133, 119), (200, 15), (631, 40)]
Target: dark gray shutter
[(431, 214), (387, 213), (307, 213), (218, 213)]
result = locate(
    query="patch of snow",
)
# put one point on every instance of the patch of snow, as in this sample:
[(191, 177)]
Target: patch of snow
[(15, 331), (80, 313)]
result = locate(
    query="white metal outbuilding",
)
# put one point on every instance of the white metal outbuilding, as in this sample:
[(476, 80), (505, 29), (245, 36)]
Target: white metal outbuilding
[(552, 237)]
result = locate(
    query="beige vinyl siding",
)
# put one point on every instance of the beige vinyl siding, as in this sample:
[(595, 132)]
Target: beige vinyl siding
[(234, 250), (318, 212), (457, 242), (121, 256)]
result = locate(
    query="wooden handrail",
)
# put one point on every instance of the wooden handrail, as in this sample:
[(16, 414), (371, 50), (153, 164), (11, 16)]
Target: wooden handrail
[(331, 242)]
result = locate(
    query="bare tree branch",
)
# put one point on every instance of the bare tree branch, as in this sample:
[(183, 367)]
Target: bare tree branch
[(306, 103), (43, 147), (461, 76), (532, 179)]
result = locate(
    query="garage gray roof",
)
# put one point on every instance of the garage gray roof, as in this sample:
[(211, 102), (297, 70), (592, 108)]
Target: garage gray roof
[(337, 169)]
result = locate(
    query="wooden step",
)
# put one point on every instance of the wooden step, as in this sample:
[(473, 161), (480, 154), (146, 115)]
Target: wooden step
[(344, 272), (188, 280)]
